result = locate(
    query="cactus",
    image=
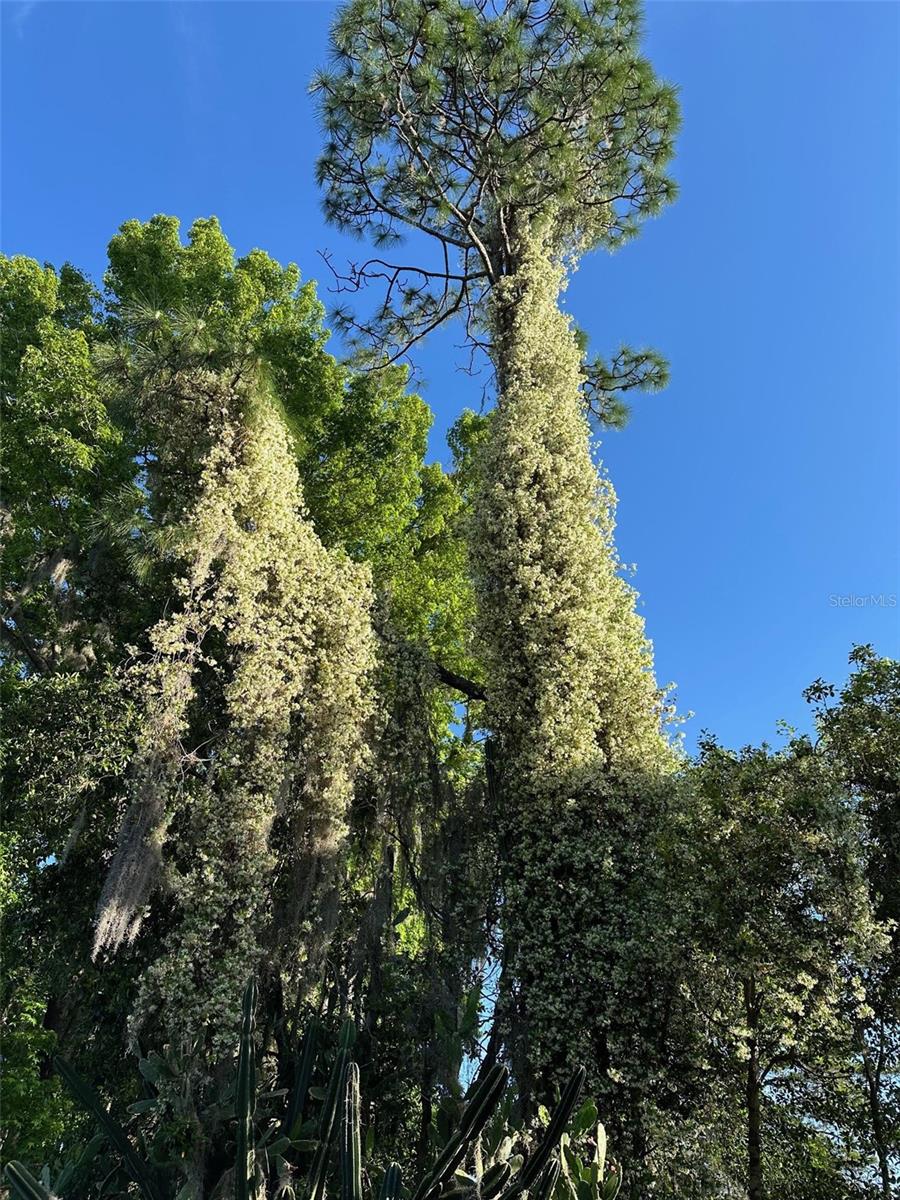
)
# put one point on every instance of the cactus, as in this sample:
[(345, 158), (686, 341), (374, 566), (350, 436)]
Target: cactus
[(536, 1162), (276, 1154), (23, 1185), (495, 1180), (305, 1064), (595, 1180), (351, 1149), (611, 1186), (546, 1185), (319, 1168), (391, 1184), (245, 1099), (481, 1103)]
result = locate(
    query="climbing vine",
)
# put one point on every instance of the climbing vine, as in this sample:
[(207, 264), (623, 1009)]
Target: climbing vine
[(570, 669), (572, 701), (256, 696)]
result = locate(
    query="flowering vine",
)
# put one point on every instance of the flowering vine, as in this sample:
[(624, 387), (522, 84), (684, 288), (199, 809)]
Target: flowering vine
[(256, 699), (573, 705)]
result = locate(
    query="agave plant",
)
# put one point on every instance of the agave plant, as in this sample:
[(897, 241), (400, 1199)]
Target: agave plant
[(290, 1156)]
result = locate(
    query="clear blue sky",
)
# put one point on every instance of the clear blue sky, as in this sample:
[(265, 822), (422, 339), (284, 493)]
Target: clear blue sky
[(763, 484)]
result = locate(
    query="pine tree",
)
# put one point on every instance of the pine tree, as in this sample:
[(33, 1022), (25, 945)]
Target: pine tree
[(510, 139)]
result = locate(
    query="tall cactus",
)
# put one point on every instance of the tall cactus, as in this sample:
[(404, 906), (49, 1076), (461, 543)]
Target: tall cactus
[(546, 1185), (391, 1184), (306, 1061), (535, 1163), (319, 1168), (23, 1185), (245, 1099), (351, 1148), (482, 1102)]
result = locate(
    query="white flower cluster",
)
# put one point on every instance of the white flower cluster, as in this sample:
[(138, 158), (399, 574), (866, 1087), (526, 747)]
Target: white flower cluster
[(272, 652), (570, 669)]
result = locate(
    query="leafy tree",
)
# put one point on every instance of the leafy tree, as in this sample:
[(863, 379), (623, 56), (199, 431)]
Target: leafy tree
[(191, 349), (781, 925), (68, 739), (61, 450), (282, 697), (468, 123), (860, 735)]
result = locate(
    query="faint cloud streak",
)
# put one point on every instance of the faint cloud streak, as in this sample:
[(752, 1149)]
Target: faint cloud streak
[(20, 15)]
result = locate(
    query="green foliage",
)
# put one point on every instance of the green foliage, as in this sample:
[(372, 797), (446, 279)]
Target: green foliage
[(36, 1112), (861, 734), (142, 1175), (607, 383), (28, 294), (781, 932), (263, 1160), (516, 137), (66, 745), (61, 450), (243, 681), (359, 439), (232, 311), (860, 738), (94, 579), (468, 122)]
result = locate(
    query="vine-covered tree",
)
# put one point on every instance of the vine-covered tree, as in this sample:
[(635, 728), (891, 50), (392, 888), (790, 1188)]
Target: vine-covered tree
[(506, 140), (283, 699), (224, 660)]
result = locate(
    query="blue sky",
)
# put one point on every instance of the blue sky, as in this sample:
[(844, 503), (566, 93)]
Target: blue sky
[(759, 493)]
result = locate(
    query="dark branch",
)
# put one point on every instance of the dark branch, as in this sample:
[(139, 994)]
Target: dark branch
[(459, 683)]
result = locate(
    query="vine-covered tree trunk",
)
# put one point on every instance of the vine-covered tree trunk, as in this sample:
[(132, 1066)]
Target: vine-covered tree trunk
[(753, 1093), (571, 697), (873, 1072), (244, 773)]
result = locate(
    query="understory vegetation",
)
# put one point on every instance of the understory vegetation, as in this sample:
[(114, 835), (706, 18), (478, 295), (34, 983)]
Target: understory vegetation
[(349, 841)]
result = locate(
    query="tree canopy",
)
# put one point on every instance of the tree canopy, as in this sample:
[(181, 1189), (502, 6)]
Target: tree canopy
[(342, 802), (465, 122)]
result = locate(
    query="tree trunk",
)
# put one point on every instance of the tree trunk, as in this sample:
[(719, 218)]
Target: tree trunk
[(753, 1094), (426, 1086), (873, 1093)]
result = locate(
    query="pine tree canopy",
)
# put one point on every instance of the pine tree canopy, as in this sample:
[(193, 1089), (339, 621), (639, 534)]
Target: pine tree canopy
[(465, 121)]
